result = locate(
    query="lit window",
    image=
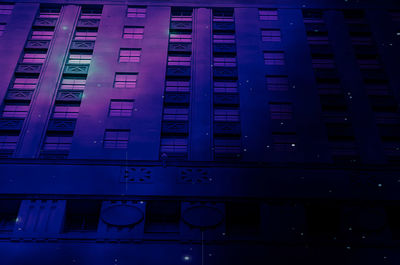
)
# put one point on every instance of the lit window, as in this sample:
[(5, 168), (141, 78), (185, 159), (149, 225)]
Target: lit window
[(284, 142), (73, 83), (225, 62), (277, 83), (85, 34), (268, 14), (34, 58), (25, 83), (15, 111), (42, 35), (129, 55), (273, 35), (125, 80), (181, 14), (280, 111), (180, 37), (177, 86), (225, 87), (226, 115), (223, 15), (179, 60), (79, 58), (57, 143), (223, 38), (2, 28), (8, 142), (274, 58), (135, 33), (116, 139), (136, 11), (227, 146), (174, 145), (121, 108), (6, 9), (176, 114), (68, 112)]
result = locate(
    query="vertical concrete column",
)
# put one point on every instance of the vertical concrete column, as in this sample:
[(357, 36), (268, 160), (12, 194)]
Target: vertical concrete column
[(12, 42), (311, 134), (41, 105), (362, 115), (145, 122), (254, 116), (200, 122)]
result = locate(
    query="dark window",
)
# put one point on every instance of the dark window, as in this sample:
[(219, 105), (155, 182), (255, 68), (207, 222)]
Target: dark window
[(162, 217), (242, 218), (8, 214), (323, 221), (82, 216)]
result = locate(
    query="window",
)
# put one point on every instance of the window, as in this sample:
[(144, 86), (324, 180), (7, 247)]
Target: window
[(6, 9), (116, 139), (273, 35), (223, 14), (52, 11), (274, 58), (284, 141), (226, 87), (91, 12), (177, 86), (8, 142), (395, 14), (174, 37), (368, 61), (129, 55), (82, 215), (135, 33), (317, 38), (8, 214), (67, 112), (162, 216), (223, 38), (226, 115), (85, 34), (73, 83), (277, 83), (125, 80), (42, 35), (313, 16), (176, 114), (227, 146), (173, 145), (79, 58), (268, 14), (15, 111), (181, 14), (225, 62), (377, 86), (280, 111), (27, 82), (329, 86), (179, 60), (2, 28), (57, 142), (34, 58), (136, 11), (361, 38), (322, 61), (121, 108)]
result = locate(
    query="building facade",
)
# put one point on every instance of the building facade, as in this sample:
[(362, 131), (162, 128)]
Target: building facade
[(199, 132)]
